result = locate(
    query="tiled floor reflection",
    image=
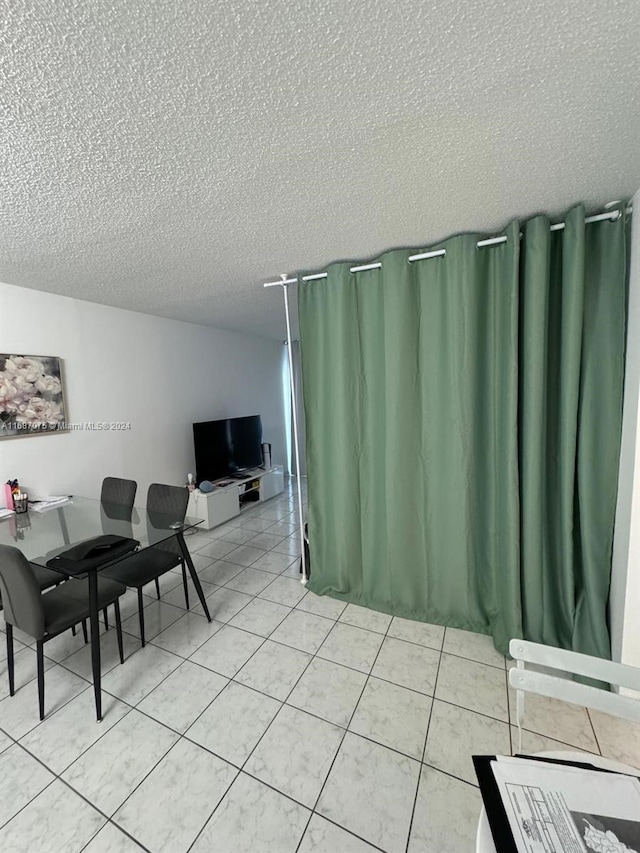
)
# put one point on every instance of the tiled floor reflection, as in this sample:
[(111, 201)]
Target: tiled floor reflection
[(290, 724)]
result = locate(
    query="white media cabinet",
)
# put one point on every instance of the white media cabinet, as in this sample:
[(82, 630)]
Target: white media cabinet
[(226, 501)]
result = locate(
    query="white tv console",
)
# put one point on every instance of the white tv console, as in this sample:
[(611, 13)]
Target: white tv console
[(230, 496)]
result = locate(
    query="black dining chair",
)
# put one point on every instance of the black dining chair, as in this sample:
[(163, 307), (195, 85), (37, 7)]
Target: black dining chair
[(165, 505), (45, 615)]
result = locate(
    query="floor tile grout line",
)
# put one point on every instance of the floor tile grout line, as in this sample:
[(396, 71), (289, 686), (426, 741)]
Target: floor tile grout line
[(349, 721), (593, 729), (120, 829), (58, 777), (424, 746)]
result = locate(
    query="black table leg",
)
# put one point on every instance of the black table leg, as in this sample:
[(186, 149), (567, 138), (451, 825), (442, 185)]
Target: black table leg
[(194, 574), (95, 641)]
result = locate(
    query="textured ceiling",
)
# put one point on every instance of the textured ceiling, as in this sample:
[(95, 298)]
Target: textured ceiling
[(170, 157)]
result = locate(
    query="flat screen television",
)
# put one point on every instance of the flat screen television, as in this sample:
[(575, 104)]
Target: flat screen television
[(227, 447)]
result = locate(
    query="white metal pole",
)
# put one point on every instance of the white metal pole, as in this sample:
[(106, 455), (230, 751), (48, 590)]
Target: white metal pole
[(296, 444)]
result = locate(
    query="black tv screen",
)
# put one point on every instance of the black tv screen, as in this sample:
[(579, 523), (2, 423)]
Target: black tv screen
[(227, 446)]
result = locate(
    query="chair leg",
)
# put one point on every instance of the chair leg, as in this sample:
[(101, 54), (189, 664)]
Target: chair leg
[(10, 662), (40, 656), (141, 615), (116, 607), (73, 630), (184, 584), (106, 619), (158, 589), (84, 631)]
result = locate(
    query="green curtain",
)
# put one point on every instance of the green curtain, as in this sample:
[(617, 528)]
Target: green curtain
[(440, 399), (572, 333)]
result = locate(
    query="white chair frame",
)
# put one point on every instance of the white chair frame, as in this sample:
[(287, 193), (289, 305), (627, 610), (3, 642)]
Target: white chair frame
[(553, 673)]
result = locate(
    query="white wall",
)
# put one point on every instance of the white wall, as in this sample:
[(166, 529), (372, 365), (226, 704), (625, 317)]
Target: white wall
[(160, 375), (625, 576)]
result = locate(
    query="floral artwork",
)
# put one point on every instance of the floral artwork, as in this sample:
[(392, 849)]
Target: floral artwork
[(31, 398)]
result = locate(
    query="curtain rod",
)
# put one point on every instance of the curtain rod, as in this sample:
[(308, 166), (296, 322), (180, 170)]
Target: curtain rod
[(439, 253)]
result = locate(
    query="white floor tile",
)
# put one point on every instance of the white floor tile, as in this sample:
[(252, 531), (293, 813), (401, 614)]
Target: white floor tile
[(456, 734), (234, 723), (183, 696), (446, 815), (52, 741), (476, 647), (322, 836), (291, 546), (219, 572), (186, 634), (286, 591), (303, 631), (322, 605), (260, 617), (57, 821), (20, 713), (238, 535), (216, 549), (299, 770), (164, 822), (110, 839), (407, 664), (417, 632), (227, 651), (472, 685), (362, 617), (371, 791), (618, 739), (266, 541), (253, 817), (25, 669), (393, 716), (140, 674), (21, 779), (273, 669), (225, 603), (555, 719), (249, 581), (114, 766), (532, 743), (273, 563), (80, 661), (353, 647), (328, 690), (157, 617), (245, 555)]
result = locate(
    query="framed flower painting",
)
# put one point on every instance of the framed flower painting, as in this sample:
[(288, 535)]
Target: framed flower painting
[(31, 395)]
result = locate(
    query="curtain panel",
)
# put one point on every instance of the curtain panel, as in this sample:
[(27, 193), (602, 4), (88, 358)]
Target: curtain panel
[(463, 428)]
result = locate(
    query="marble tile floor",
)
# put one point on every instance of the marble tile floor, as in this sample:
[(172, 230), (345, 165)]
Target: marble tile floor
[(291, 724)]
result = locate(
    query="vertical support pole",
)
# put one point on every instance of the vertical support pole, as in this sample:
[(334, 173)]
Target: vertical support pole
[(296, 443)]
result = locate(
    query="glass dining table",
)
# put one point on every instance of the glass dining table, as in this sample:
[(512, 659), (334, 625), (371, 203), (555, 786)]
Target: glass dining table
[(42, 535)]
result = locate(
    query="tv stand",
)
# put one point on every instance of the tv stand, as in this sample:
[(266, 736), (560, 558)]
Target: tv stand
[(227, 501)]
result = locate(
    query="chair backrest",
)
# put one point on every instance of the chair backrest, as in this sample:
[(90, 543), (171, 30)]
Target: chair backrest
[(21, 596), (553, 671), (120, 492), (166, 505)]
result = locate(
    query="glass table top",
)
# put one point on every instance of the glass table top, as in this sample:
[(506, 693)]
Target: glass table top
[(39, 535)]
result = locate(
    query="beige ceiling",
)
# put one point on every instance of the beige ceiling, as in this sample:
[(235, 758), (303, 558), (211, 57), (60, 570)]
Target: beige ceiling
[(169, 157)]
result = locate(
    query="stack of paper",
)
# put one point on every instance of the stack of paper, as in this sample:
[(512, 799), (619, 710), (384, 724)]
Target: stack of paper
[(41, 503)]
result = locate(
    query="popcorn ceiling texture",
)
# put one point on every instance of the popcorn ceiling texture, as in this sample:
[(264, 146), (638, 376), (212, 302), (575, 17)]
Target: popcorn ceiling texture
[(170, 157)]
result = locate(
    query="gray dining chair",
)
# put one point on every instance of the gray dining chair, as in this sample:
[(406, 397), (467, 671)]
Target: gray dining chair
[(45, 615), (117, 497), (119, 492), (165, 505)]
